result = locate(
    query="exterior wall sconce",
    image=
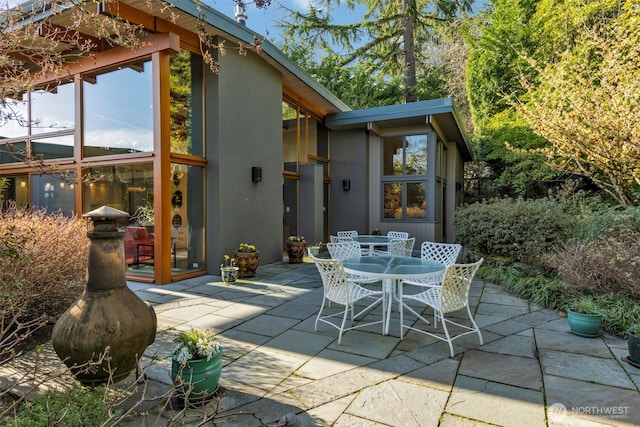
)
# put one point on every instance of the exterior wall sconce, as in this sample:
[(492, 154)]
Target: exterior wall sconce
[(256, 174), (346, 184)]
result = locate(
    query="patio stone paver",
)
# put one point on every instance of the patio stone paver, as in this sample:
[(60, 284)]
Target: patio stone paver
[(268, 325), (595, 402), (396, 402), (500, 404), (586, 368), (531, 371), (501, 368), (516, 345), (330, 362)]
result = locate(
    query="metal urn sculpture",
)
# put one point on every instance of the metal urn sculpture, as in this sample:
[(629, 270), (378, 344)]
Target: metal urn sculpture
[(108, 315)]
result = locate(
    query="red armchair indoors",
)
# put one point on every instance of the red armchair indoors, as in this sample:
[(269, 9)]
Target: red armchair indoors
[(138, 246)]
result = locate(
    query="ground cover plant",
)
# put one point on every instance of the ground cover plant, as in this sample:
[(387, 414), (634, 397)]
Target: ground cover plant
[(553, 251)]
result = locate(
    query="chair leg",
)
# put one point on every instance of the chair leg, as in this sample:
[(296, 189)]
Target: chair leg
[(446, 333), (344, 321), (319, 313), (475, 326)]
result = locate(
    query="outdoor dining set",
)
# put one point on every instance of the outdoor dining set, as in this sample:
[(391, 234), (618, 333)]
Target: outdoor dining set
[(379, 270)]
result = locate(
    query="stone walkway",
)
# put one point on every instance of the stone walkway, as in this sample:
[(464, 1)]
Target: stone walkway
[(531, 371)]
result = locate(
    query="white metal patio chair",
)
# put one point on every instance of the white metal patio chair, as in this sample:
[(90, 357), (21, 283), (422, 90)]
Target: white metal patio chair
[(452, 295), (350, 233), (340, 290), (444, 253), (395, 235), (401, 247), (346, 250)]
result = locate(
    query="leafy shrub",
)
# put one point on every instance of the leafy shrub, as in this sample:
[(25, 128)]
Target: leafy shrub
[(44, 263), (605, 257), (517, 230)]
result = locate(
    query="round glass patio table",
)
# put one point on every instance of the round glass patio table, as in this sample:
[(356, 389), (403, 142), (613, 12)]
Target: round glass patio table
[(391, 269), (371, 241)]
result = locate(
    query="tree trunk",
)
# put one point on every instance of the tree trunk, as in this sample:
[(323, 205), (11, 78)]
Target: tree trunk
[(408, 7)]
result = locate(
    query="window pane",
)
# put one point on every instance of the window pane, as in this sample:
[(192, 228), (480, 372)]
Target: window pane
[(53, 148), (14, 119), (12, 153), (392, 156), (393, 200), (416, 200), (186, 103), (126, 187), (187, 217), (118, 113), (54, 110), (53, 193), (416, 155)]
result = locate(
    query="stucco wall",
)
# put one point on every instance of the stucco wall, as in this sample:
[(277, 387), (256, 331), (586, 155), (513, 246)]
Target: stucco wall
[(349, 152), (244, 129)]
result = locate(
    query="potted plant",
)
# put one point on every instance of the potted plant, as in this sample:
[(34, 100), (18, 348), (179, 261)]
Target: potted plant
[(196, 364), (315, 249), (633, 342), (247, 259), (296, 248), (584, 318), (229, 270)]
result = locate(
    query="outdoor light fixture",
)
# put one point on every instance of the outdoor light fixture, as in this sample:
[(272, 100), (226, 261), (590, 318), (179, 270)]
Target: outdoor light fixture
[(256, 174), (346, 184)]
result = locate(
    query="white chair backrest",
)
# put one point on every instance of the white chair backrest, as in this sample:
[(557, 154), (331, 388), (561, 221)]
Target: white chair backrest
[(344, 250), (401, 247), (334, 279), (454, 294), (351, 233), (444, 253), (398, 235), (336, 239)]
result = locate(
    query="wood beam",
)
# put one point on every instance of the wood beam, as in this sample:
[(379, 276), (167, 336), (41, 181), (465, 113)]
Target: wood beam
[(116, 9), (154, 43), (75, 38)]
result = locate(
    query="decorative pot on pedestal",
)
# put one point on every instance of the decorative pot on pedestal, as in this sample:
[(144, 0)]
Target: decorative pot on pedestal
[(248, 262), (296, 250), (108, 314)]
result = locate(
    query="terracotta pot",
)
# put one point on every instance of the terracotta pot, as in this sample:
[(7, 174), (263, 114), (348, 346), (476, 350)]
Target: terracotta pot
[(247, 262), (296, 251)]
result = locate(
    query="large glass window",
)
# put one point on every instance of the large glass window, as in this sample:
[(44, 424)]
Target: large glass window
[(404, 170), (187, 111), (187, 218), (53, 193), (118, 111), (54, 110)]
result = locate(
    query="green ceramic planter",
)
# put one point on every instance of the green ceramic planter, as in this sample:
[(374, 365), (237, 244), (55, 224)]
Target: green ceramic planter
[(584, 325), (199, 379), (634, 349)]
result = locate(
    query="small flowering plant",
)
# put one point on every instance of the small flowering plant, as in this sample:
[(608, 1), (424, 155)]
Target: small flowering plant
[(296, 238), (247, 247), (228, 262), (195, 344)]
